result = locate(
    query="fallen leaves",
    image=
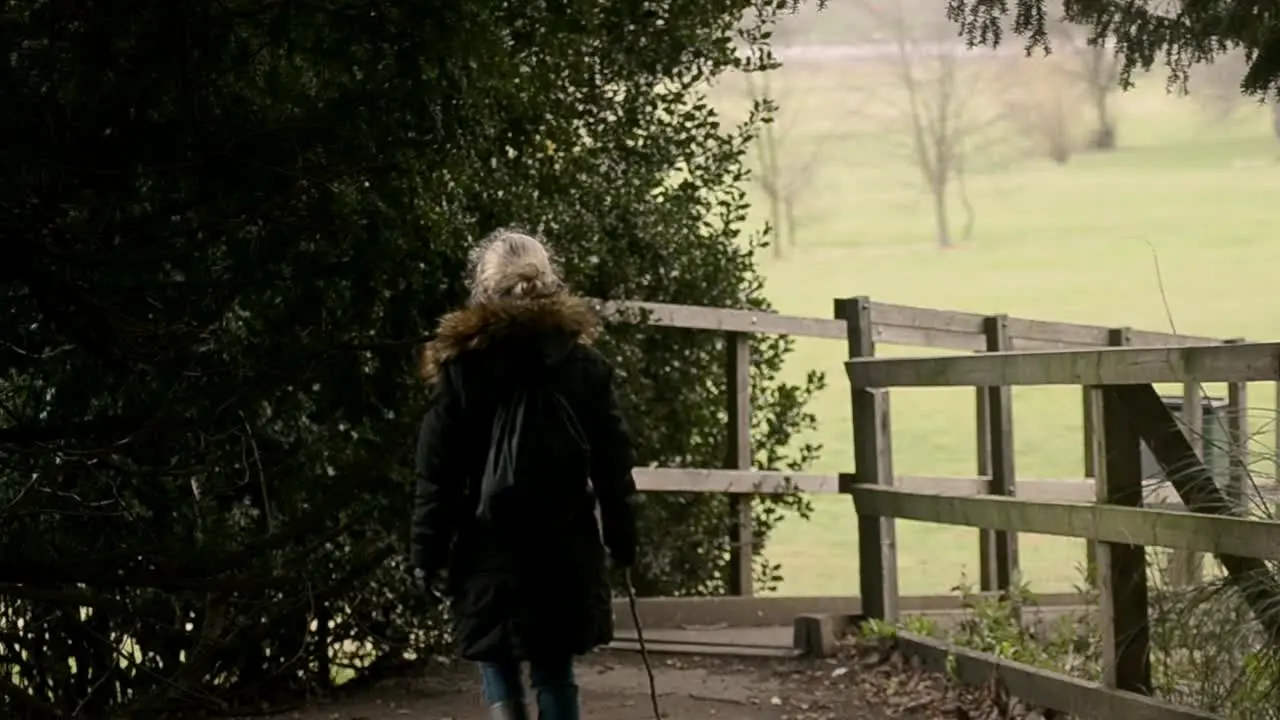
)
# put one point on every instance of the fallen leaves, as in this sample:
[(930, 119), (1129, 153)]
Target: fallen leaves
[(872, 675)]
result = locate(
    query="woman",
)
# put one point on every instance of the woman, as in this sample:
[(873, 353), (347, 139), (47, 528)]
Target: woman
[(527, 576)]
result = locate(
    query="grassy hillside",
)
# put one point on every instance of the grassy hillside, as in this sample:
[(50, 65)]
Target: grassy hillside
[(1171, 231)]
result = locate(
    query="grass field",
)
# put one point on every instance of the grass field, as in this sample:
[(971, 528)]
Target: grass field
[(1079, 243)]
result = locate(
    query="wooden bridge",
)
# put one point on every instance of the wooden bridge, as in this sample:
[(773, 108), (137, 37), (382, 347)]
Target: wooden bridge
[(1124, 418)]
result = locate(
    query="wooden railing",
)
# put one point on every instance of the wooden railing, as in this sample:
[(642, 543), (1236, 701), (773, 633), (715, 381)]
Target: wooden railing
[(863, 324), (1130, 414)]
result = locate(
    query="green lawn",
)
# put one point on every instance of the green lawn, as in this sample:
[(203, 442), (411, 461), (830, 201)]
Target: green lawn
[(1074, 243)]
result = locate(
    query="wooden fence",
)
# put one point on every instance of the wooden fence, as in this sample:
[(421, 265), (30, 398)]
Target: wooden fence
[(863, 324), (1129, 414)]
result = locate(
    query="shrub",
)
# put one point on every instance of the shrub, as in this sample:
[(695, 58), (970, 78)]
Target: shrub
[(229, 225)]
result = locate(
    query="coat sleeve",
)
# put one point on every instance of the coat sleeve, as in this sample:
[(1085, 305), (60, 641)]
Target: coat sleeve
[(612, 459), (438, 488)]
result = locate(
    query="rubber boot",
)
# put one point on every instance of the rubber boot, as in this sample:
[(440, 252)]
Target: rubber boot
[(508, 711)]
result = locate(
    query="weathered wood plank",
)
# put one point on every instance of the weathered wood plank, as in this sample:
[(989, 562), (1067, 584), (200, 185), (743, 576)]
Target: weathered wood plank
[(738, 457), (927, 327), (986, 538), (999, 550), (873, 458), (723, 319), (1149, 338), (1092, 406), (1093, 453), (921, 337), (1079, 490), (1186, 567), (1105, 366), (1063, 693), (892, 325), (945, 485), (1122, 566), (1107, 523), (1238, 480), (964, 330), (779, 482), (733, 482), (772, 610)]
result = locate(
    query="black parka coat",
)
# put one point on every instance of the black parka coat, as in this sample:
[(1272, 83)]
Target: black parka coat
[(548, 593)]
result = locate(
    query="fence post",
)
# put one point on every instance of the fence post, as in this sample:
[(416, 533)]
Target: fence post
[(998, 550), (1092, 466), (738, 390), (1237, 440), (987, 580), (1185, 566), (1122, 568), (873, 458), (1093, 452)]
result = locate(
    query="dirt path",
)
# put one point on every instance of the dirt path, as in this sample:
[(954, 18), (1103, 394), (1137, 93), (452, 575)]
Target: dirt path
[(615, 687)]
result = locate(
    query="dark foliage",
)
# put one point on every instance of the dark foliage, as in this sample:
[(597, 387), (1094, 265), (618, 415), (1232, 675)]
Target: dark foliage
[(226, 227), (1180, 34)]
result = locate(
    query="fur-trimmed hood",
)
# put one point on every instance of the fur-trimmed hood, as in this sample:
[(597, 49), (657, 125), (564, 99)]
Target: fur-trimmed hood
[(555, 322)]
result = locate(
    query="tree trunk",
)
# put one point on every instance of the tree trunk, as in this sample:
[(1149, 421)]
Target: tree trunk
[(1102, 77), (776, 221), (1275, 118), (789, 208), (767, 153), (940, 216), (1104, 137)]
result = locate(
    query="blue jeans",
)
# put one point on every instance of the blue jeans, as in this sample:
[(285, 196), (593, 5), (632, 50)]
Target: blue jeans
[(553, 682)]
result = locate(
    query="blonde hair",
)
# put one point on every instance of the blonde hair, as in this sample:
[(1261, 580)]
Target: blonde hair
[(511, 264)]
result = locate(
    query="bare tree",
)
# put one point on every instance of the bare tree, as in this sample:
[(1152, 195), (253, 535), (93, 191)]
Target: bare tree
[(941, 102), (785, 162), (1215, 85), (1096, 67), (1046, 112), (1218, 87)]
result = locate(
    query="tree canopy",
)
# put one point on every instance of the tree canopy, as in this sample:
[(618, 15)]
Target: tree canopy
[(228, 225), (1179, 34)]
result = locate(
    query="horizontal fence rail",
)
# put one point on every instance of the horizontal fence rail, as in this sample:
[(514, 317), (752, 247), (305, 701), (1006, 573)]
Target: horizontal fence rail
[(1066, 694), (894, 325), (692, 317), (777, 482), (1129, 525), (1106, 366), (733, 482)]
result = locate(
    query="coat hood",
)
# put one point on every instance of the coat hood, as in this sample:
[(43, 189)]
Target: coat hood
[(551, 324)]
